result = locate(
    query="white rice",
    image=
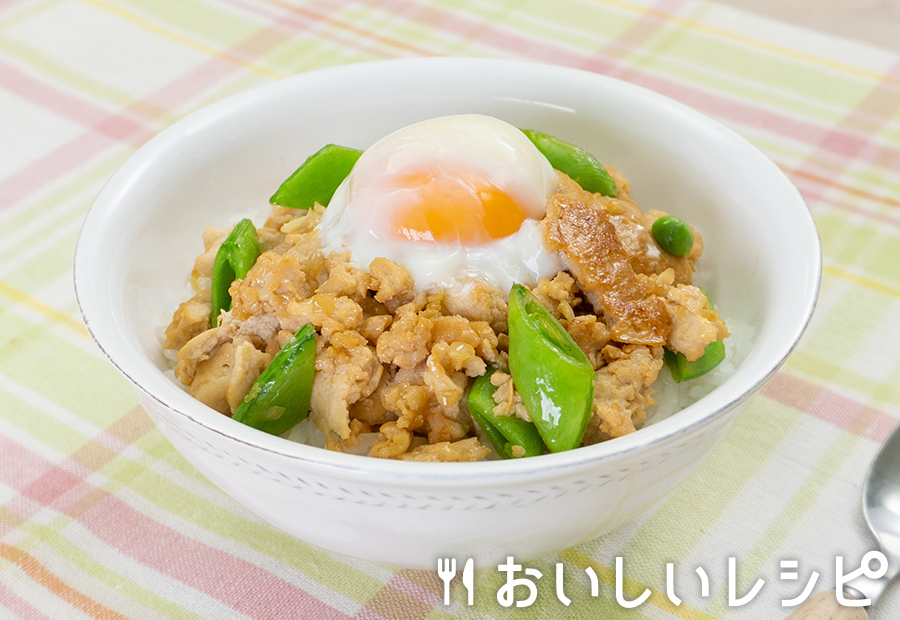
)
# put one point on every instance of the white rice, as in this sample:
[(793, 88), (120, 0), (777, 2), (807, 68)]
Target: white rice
[(672, 397)]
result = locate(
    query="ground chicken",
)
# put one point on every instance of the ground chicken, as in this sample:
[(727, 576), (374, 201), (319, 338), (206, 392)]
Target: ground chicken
[(344, 279), (406, 344), (477, 300), (346, 370), (446, 452), (694, 323), (622, 391), (391, 282)]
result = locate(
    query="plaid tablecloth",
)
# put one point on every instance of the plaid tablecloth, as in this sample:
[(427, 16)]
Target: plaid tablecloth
[(101, 518)]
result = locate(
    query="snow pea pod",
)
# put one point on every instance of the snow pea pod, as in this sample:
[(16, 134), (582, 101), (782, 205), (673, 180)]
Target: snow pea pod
[(552, 374), (684, 370), (504, 431), (279, 400), (316, 180), (235, 257), (580, 165)]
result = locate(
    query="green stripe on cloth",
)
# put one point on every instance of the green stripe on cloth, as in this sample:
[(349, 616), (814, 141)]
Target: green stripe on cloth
[(710, 490)]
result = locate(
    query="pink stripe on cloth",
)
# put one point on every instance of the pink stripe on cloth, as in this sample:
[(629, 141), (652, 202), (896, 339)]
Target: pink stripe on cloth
[(242, 585), (403, 583), (814, 198), (303, 19), (235, 582), (188, 86), (74, 153), (839, 411), (18, 606), (843, 142), (502, 39), (52, 166), (39, 483), (115, 126), (369, 614)]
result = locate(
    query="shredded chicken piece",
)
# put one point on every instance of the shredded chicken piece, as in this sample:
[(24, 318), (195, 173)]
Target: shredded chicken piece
[(478, 334), (587, 239), (211, 379), (277, 342), (557, 294), (295, 222), (507, 398), (248, 364), (370, 409), (213, 237), (346, 371), (409, 402), (284, 220), (374, 326), (199, 349), (191, 318), (275, 281)]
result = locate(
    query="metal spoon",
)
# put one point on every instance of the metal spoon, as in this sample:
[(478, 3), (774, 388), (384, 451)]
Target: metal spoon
[(881, 509)]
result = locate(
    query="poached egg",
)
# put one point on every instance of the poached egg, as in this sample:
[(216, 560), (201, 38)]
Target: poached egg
[(449, 198)]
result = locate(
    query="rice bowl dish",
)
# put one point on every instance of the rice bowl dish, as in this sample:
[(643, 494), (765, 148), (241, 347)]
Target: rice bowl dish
[(761, 267)]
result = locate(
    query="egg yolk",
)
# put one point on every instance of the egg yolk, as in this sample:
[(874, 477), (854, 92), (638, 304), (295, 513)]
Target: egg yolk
[(454, 208)]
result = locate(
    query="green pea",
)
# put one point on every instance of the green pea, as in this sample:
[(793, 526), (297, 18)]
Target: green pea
[(673, 235), (235, 257), (316, 180), (279, 399), (504, 432), (580, 165)]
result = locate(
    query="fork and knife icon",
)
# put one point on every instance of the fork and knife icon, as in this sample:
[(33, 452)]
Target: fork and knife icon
[(446, 569)]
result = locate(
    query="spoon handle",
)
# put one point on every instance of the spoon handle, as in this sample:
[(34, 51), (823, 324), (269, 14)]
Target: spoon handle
[(824, 606)]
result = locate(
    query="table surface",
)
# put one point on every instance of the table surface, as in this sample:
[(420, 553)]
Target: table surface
[(101, 518), (876, 22)]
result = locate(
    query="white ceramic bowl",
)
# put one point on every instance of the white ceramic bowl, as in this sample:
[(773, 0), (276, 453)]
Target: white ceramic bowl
[(143, 231)]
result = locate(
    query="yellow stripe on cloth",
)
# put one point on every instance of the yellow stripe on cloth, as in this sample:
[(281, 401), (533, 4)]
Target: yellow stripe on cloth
[(861, 280), (57, 316), (753, 42), (187, 42)]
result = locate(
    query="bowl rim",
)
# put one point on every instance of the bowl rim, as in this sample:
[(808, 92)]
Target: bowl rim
[(470, 475)]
